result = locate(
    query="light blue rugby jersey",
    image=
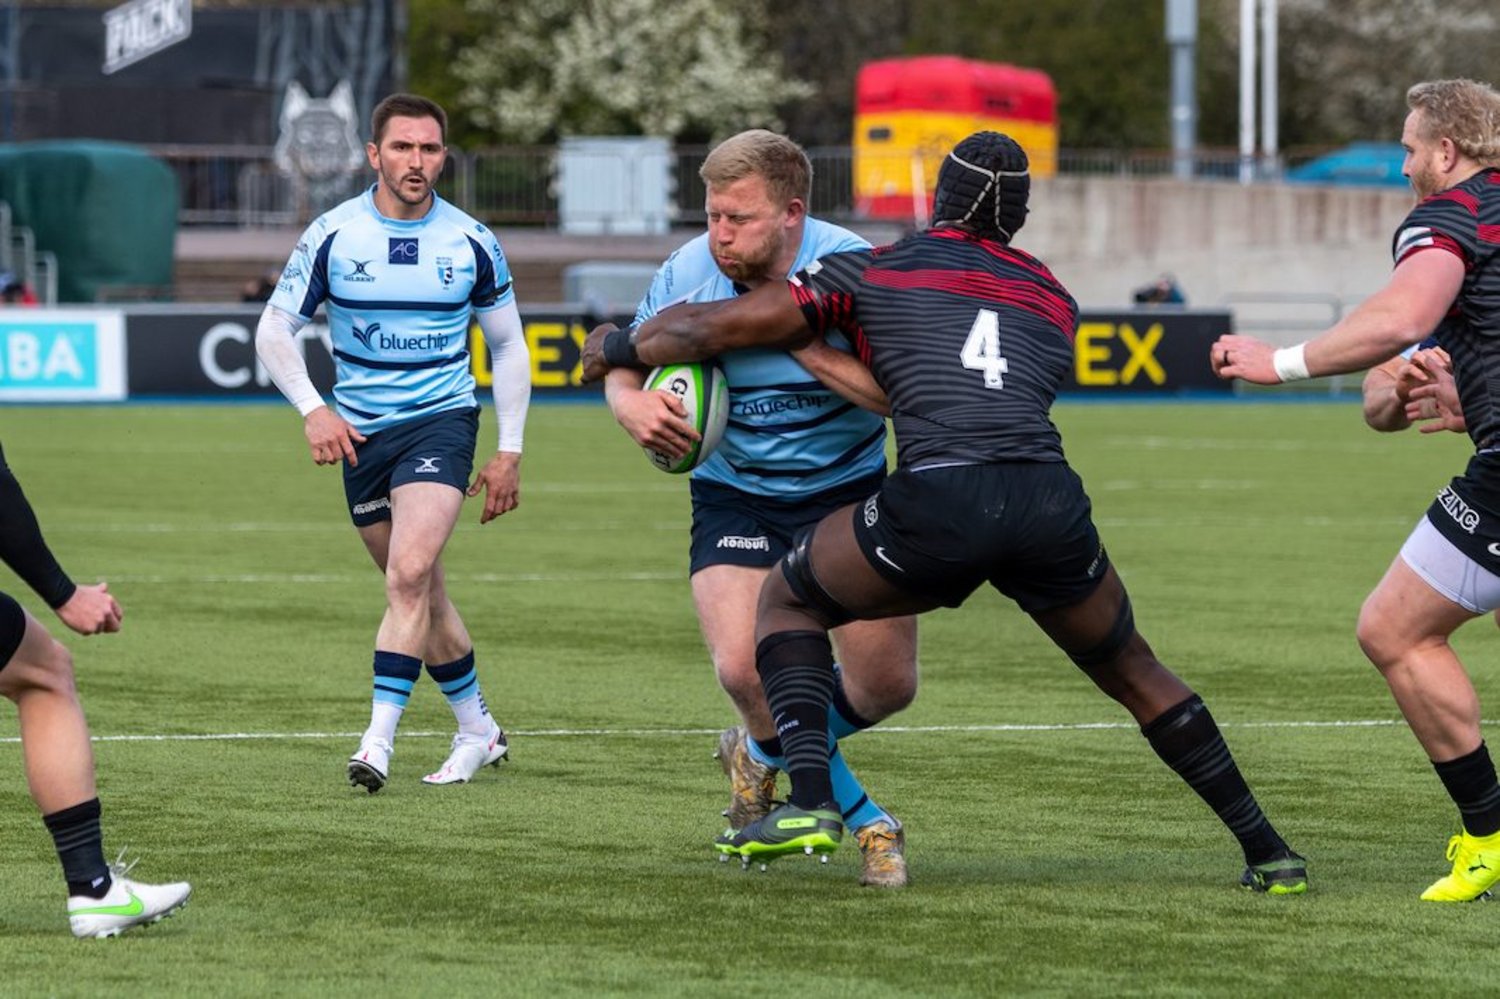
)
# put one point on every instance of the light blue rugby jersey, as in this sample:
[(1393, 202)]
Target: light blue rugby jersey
[(399, 296), (788, 433)]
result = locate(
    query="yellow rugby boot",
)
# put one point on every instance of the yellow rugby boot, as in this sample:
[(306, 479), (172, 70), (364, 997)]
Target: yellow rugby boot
[(1476, 868)]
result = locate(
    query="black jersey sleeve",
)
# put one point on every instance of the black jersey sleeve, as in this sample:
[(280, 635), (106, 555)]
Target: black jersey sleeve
[(22, 547), (826, 291), (1447, 220)]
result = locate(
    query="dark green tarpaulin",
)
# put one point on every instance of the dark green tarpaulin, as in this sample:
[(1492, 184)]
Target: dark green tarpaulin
[(107, 210)]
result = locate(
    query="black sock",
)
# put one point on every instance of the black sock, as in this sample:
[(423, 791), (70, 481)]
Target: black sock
[(1471, 784), (796, 670), (80, 846), (1188, 741), (770, 747)]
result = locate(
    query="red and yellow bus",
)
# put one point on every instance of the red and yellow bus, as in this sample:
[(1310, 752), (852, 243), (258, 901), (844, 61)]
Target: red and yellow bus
[(909, 112)]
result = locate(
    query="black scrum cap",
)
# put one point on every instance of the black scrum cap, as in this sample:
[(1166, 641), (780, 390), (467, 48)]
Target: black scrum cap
[(984, 183)]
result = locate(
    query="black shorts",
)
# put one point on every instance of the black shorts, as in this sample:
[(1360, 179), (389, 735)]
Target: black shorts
[(437, 448), (1025, 528), (1467, 511), (733, 527), (12, 627)]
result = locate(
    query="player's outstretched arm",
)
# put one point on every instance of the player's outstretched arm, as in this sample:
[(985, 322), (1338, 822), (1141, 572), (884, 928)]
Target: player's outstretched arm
[(1415, 299)]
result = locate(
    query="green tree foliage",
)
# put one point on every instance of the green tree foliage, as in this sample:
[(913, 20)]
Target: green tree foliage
[(1107, 58), (438, 30), (1345, 65), (689, 69)]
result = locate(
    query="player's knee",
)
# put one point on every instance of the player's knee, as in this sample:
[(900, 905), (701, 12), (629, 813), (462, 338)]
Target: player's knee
[(408, 581), (1378, 640), (890, 690), (738, 678), (47, 669)]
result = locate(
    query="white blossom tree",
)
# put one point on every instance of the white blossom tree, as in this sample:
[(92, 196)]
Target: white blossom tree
[(621, 67)]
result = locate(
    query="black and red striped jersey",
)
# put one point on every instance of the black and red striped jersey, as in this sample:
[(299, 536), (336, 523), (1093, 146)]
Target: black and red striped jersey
[(968, 337), (1465, 221)]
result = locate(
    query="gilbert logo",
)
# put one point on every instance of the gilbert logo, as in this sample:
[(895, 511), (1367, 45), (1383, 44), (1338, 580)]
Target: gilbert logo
[(359, 273), (426, 466)]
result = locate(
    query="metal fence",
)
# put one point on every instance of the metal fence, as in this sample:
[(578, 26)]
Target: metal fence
[(517, 185)]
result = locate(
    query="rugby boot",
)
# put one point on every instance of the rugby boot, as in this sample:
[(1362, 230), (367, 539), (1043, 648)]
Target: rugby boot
[(1476, 868), (882, 846), (1285, 875), (470, 753), (752, 785), (786, 829), (370, 764)]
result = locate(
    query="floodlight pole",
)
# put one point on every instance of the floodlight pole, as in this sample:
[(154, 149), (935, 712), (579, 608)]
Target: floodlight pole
[(1269, 110), (1247, 91), (1182, 39)]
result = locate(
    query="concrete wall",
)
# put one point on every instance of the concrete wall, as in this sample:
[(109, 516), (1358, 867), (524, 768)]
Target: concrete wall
[(1104, 237)]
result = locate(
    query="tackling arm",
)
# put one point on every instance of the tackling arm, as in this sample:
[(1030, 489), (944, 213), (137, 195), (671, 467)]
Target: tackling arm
[(765, 317)]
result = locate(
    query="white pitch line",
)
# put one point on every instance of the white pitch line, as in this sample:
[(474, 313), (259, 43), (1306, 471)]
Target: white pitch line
[(566, 733), (275, 578)]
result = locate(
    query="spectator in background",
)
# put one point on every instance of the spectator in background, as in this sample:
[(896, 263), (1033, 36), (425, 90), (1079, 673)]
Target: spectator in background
[(259, 289), (14, 291), (1163, 291)]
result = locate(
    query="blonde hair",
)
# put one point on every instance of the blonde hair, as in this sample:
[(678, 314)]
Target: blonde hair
[(777, 160), (1465, 111)]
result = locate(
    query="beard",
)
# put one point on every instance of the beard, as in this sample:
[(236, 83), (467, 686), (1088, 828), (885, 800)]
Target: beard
[(1423, 181), (396, 183), (754, 265)]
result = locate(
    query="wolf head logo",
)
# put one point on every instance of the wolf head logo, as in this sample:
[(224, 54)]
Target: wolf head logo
[(318, 140)]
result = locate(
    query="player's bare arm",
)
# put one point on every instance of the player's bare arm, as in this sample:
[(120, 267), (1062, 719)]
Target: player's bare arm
[(1408, 308), (500, 480), (657, 420), (1385, 393), (1434, 402), (844, 373)]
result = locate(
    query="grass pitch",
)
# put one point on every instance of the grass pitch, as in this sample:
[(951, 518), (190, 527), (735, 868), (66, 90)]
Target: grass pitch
[(1051, 853)]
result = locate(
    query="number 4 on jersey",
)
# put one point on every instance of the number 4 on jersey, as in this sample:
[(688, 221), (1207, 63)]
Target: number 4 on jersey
[(982, 349)]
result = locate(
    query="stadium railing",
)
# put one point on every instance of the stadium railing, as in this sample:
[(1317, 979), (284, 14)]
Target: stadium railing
[(516, 185)]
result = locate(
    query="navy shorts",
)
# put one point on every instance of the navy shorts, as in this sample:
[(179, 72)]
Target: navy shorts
[(1026, 528), (733, 527), (12, 627), (437, 448)]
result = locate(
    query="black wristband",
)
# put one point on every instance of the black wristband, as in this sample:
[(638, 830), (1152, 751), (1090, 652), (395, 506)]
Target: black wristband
[(619, 349)]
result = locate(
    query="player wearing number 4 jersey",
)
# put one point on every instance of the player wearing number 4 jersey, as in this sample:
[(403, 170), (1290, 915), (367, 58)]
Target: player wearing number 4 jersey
[(970, 339)]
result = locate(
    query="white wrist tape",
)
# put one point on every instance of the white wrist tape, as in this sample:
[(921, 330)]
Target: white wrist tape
[(1291, 363)]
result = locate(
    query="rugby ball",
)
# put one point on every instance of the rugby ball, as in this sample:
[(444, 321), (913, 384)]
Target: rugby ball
[(704, 392)]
